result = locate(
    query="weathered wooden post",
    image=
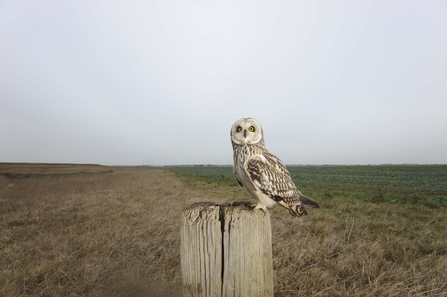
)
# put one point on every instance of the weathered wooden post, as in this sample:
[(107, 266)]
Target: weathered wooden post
[(226, 250)]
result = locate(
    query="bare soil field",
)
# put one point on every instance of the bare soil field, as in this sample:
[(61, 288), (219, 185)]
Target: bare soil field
[(90, 230)]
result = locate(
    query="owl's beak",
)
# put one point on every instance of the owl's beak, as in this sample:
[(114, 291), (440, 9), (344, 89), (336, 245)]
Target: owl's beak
[(245, 133)]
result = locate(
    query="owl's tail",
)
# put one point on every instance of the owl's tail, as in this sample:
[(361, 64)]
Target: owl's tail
[(296, 206), (297, 210), (309, 202)]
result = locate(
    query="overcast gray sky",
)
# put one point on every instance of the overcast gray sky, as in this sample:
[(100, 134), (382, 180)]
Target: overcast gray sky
[(161, 82)]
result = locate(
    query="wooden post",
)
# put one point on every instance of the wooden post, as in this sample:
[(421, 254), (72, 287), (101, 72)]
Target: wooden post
[(226, 250)]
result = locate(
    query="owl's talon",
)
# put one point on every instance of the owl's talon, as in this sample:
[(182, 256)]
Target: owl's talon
[(261, 207), (257, 209)]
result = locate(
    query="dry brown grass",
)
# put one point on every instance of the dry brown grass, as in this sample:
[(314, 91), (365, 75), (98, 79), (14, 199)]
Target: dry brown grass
[(113, 234), (79, 232)]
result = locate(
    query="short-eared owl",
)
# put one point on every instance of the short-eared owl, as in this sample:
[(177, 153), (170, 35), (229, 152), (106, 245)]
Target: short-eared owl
[(262, 173)]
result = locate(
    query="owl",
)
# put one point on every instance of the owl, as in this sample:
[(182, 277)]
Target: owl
[(261, 173)]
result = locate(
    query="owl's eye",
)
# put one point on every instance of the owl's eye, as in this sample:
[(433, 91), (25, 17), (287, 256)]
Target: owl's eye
[(239, 129), (251, 129)]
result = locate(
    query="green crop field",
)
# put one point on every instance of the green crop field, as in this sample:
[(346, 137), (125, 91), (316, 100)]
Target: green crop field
[(393, 183)]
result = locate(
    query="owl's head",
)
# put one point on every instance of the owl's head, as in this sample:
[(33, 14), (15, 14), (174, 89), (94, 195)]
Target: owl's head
[(246, 131)]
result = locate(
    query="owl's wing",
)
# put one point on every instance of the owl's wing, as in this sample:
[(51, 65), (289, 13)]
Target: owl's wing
[(273, 179)]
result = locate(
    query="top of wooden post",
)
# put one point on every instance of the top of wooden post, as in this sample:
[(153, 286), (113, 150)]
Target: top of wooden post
[(226, 250)]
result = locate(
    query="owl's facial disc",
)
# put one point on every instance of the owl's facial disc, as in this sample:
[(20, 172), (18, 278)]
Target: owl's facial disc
[(246, 131)]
